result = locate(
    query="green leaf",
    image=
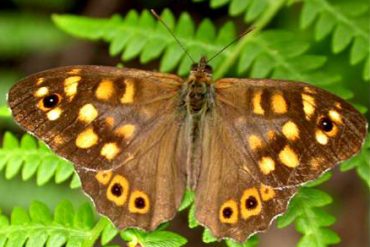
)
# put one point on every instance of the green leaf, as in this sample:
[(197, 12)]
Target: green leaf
[(156, 238), (31, 158), (310, 220), (251, 242), (346, 21), (39, 227), (187, 200), (360, 162)]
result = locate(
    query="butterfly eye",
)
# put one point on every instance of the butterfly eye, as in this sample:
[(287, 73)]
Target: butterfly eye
[(208, 69), (326, 124), (194, 67), (50, 101)]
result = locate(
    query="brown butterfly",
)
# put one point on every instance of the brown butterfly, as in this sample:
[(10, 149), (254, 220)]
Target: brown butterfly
[(138, 139)]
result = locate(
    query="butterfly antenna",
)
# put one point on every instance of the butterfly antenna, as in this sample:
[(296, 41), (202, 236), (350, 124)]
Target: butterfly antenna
[(173, 35), (232, 42)]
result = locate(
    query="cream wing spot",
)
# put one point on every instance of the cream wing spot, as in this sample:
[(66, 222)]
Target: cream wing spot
[(290, 131), (40, 81), (71, 85), (335, 116), (256, 101), (255, 142), (308, 105), (105, 90), (288, 157), (267, 165), (110, 151), (126, 131), (74, 72), (87, 113), (321, 137), (87, 138), (278, 103), (128, 95), (41, 92), (54, 114)]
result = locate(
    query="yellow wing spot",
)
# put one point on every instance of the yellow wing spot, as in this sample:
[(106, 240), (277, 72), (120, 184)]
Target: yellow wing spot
[(338, 105), (139, 202), (290, 131), (316, 162), (255, 142), (40, 81), (87, 138), (308, 105), (109, 121), (105, 90), (110, 150), (250, 203), (128, 95), (266, 164), (41, 92), (70, 86), (288, 157), (74, 72), (54, 114), (229, 213), (309, 90), (335, 116), (257, 107), (278, 103), (58, 140), (267, 192), (118, 189), (321, 137), (87, 113), (271, 134), (103, 177), (126, 131)]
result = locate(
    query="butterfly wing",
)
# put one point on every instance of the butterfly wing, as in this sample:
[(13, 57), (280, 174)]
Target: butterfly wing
[(121, 129), (260, 140)]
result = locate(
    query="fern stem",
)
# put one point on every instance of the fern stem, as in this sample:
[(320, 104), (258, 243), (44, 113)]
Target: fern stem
[(96, 232), (265, 19)]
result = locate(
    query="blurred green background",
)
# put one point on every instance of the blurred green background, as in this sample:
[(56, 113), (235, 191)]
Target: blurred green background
[(31, 42)]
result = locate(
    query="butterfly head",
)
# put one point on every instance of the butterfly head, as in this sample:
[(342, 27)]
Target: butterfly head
[(201, 71)]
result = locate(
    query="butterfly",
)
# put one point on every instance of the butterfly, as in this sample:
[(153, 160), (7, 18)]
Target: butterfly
[(139, 139)]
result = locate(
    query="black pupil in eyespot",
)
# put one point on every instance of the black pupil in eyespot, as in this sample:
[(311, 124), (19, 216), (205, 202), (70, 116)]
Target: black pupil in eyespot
[(51, 101), (326, 124)]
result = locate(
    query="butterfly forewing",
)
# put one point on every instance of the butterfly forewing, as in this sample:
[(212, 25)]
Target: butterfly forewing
[(119, 128)]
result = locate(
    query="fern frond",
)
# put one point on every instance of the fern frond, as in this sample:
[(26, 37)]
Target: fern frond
[(143, 36), (347, 21), (305, 210), (271, 53), (159, 237), (38, 227), (34, 159), (360, 162), (253, 10)]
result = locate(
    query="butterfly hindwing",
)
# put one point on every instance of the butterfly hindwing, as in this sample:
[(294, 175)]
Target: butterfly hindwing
[(119, 129)]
